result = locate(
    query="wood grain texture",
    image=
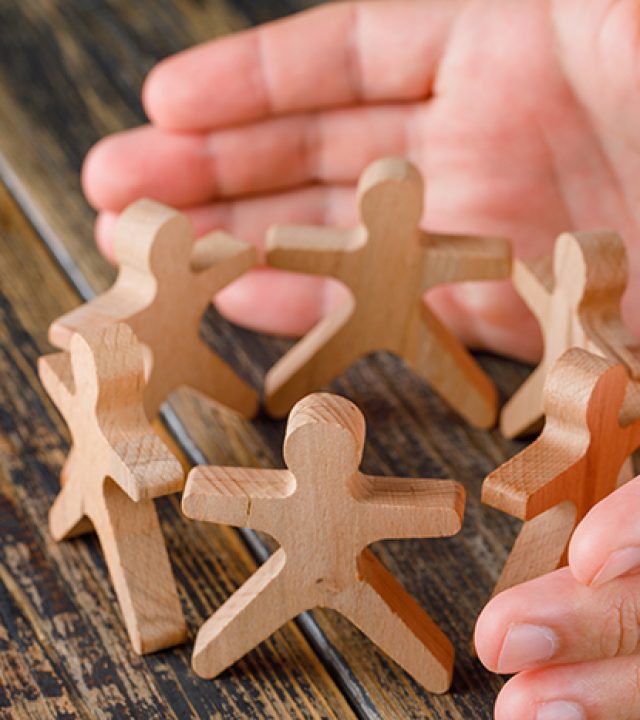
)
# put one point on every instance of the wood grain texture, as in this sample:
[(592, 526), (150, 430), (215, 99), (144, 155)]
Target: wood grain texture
[(588, 435), (575, 295), (64, 651), (325, 513), (387, 263), (70, 73)]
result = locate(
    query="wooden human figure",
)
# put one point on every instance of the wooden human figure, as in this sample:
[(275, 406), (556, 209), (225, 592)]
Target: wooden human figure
[(117, 467), (553, 483), (388, 264), (164, 285), (576, 298), (324, 513)]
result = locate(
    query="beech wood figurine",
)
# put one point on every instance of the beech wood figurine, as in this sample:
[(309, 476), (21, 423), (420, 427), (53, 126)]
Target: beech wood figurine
[(117, 466), (164, 285), (388, 264), (576, 299), (553, 483), (325, 513)]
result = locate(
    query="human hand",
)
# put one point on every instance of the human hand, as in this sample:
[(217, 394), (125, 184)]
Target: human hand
[(573, 636), (521, 116)]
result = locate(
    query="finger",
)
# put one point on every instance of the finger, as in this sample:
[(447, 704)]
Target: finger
[(555, 619), (604, 690), (337, 55), (596, 554), (189, 169), (250, 218), (278, 302)]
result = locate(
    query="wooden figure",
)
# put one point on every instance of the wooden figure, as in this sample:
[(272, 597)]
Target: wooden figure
[(164, 285), (388, 264), (325, 513), (553, 483), (117, 467), (576, 299)]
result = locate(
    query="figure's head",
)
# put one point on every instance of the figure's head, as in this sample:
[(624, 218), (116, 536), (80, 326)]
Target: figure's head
[(325, 438), (391, 186), (153, 238), (590, 267)]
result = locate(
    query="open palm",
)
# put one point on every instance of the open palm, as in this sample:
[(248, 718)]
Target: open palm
[(521, 116)]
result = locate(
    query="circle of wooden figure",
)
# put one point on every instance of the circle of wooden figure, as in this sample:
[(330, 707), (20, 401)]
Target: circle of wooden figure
[(387, 263), (576, 298), (117, 466), (324, 513), (164, 285), (552, 484)]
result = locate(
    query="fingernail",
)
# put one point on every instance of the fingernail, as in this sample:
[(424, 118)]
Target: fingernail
[(620, 562), (560, 710), (526, 645)]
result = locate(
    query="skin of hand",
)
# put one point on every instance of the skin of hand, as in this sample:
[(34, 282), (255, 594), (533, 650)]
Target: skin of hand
[(521, 115), (573, 636)]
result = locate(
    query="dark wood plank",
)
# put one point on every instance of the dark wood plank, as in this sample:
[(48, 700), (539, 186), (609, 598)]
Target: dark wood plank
[(410, 431), (63, 648)]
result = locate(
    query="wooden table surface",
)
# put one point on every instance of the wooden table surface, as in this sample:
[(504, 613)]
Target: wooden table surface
[(70, 72)]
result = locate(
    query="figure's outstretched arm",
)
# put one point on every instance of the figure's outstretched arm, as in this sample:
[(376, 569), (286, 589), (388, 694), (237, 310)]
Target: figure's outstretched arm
[(142, 465), (409, 507), (316, 250), (56, 375), (541, 476), (456, 258), (533, 279), (243, 497), (219, 258)]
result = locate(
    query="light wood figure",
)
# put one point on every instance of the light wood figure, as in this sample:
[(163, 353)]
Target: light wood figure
[(576, 298), (324, 513), (388, 264), (164, 285), (574, 464), (117, 466)]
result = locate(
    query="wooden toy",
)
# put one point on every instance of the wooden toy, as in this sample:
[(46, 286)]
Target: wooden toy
[(164, 285), (553, 483), (388, 264), (576, 299), (117, 466), (325, 513)]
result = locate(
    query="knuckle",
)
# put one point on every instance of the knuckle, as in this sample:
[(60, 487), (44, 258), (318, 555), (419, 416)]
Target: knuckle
[(621, 629)]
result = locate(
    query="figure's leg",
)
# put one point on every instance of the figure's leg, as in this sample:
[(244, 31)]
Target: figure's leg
[(439, 357), (524, 411), (254, 612), (136, 555), (209, 374), (66, 516), (540, 547), (387, 614), (322, 354)]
